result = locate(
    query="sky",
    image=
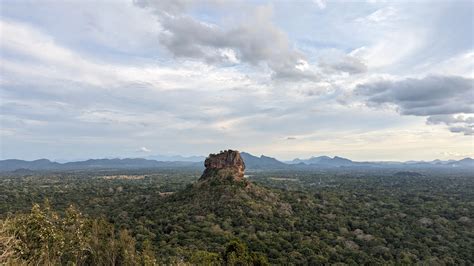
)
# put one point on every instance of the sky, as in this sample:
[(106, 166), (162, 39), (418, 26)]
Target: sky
[(366, 80)]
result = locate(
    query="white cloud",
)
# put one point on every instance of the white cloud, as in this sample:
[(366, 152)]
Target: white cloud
[(380, 15), (254, 39), (320, 3), (245, 76), (335, 61), (461, 64), (391, 49), (51, 61), (144, 149)]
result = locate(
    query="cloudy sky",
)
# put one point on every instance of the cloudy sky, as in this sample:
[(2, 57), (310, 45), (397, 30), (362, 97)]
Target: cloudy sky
[(368, 80)]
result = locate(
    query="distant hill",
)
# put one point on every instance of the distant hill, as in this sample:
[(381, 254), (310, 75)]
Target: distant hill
[(262, 162), (176, 158), (47, 165), (324, 160), (464, 162), (41, 164)]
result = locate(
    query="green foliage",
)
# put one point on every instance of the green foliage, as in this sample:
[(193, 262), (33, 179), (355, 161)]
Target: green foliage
[(148, 254), (8, 242), (288, 218), (42, 237), (205, 258), (236, 253)]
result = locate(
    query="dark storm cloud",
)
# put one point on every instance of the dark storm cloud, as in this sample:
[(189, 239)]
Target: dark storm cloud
[(438, 97), (449, 119), (432, 95), (457, 124), (466, 130)]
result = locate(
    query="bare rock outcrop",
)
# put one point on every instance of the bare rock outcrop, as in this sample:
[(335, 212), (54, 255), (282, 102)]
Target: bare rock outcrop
[(224, 165)]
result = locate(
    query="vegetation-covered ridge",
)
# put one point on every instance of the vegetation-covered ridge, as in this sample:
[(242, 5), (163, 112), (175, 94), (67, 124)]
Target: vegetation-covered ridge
[(43, 237), (287, 217)]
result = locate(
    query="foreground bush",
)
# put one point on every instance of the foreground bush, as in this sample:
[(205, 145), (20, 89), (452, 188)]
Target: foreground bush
[(43, 237)]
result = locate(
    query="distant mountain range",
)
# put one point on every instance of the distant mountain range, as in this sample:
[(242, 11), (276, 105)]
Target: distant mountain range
[(323, 160), (44, 164), (252, 162), (176, 158), (262, 162)]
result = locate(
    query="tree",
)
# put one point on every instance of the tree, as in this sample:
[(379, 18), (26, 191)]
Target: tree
[(206, 258), (127, 251), (236, 253), (148, 256), (42, 237), (8, 243)]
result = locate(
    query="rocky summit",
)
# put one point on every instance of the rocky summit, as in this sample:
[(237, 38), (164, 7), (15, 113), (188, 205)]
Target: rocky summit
[(226, 165)]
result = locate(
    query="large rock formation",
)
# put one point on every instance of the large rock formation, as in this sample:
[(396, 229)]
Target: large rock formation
[(227, 165), (224, 192)]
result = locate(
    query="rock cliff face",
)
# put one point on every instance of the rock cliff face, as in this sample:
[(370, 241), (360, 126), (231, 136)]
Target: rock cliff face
[(224, 165), (224, 191)]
